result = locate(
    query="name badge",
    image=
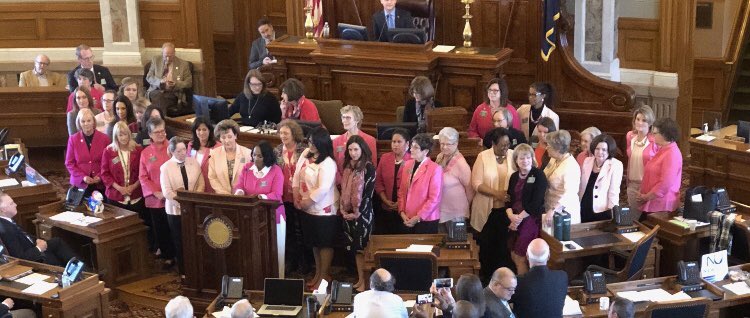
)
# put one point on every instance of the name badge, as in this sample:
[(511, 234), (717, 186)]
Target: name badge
[(515, 141), (115, 160), (152, 158), (525, 120), (531, 180), (264, 183), (339, 148), (483, 113), (146, 141)]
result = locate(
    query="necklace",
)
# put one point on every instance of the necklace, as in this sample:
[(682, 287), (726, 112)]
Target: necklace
[(642, 142)]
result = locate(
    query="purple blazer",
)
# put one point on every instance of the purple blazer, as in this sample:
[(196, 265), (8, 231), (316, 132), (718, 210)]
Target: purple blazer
[(82, 161), (662, 176), (422, 195)]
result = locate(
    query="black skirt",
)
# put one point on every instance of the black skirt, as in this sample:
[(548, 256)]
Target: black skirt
[(320, 231)]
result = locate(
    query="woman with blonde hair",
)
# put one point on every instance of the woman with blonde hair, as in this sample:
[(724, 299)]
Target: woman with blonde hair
[(564, 177), (640, 147), (83, 154)]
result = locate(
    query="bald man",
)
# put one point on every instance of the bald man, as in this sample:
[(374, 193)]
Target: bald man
[(541, 291), (169, 77), (241, 309), (498, 292), (40, 76), (379, 301)]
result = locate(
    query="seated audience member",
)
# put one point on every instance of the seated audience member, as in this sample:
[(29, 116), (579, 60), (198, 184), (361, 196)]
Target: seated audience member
[(130, 89), (259, 54), (489, 179), (24, 245), (83, 100), (178, 173), (541, 102), (501, 119), (640, 148), (587, 135), (545, 126), (294, 104), (200, 147), (563, 177), (379, 301), (102, 79), (621, 308), (357, 186), (179, 307), (469, 289), (6, 310), (601, 176), (83, 154), (662, 175), (524, 210), (540, 292), (315, 193), (143, 136), (388, 181), (123, 113), (226, 161), (255, 104), (85, 78), (108, 115), (40, 76), (499, 291), (457, 192), (420, 191), (264, 179), (495, 100), (149, 174), (169, 77), (390, 18), (422, 102), (242, 309), (351, 118)]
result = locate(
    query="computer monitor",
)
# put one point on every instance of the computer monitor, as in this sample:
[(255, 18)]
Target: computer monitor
[(214, 109), (743, 130), (352, 32), (308, 126), (406, 35), (385, 130)]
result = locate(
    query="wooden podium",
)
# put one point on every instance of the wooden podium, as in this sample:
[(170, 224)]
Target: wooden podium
[(226, 235)]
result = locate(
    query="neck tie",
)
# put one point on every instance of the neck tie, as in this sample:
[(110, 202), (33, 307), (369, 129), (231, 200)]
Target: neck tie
[(20, 230), (184, 176), (391, 22)]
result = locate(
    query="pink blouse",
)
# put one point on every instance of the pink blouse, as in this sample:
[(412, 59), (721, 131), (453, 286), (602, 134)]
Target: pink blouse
[(457, 191), (663, 176), (268, 184), (481, 121)]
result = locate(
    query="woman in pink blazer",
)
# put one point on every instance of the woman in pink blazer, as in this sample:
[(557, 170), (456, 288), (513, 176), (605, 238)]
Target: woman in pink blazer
[(601, 176), (225, 162), (83, 155), (640, 148), (201, 145), (171, 179), (264, 179), (660, 190), (387, 181), (420, 192)]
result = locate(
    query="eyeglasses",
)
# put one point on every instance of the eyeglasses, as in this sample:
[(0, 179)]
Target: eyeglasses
[(493, 91), (107, 100), (42, 63), (534, 94), (447, 144), (159, 132), (255, 84)]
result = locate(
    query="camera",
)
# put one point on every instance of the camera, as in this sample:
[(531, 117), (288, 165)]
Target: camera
[(443, 282), (424, 299)]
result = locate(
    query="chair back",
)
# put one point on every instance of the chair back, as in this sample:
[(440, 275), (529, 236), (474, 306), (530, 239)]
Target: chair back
[(634, 266), (330, 115), (213, 109), (414, 272), (423, 14), (690, 308)]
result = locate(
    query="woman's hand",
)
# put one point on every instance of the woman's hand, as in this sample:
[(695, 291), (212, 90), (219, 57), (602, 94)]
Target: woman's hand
[(413, 221), (549, 217), (443, 296), (239, 192)]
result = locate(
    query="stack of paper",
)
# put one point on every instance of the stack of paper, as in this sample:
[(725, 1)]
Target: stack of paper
[(655, 295), (572, 307), (633, 236), (738, 288), (75, 218), (39, 288), (9, 182), (417, 248), (32, 279)]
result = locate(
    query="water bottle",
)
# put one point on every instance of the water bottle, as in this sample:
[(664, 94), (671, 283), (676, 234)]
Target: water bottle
[(326, 31)]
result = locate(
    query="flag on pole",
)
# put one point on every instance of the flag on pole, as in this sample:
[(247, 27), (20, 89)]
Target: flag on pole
[(317, 16), (551, 15)]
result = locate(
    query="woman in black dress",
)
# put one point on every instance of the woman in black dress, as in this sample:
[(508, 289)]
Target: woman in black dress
[(255, 104)]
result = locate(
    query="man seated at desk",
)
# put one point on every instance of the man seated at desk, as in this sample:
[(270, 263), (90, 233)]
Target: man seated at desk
[(6, 310), (541, 291), (390, 18), (259, 54), (22, 245), (379, 301), (170, 78)]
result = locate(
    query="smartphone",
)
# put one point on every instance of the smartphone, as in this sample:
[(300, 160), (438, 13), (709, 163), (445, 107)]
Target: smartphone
[(424, 299), (443, 282)]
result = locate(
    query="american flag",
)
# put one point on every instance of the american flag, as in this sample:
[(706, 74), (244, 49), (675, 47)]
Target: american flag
[(317, 16)]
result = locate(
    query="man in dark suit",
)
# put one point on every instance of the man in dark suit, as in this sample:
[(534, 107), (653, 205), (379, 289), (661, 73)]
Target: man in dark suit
[(102, 78), (498, 292), (540, 292), (390, 18), (22, 245), (258, 53)]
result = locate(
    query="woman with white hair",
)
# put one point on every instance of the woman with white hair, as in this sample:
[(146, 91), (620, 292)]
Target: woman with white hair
[(351, 119), (564, 177), (457, 191), (587, 135)]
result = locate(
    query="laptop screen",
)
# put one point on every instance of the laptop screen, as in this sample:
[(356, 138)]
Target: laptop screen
[(287, 292)]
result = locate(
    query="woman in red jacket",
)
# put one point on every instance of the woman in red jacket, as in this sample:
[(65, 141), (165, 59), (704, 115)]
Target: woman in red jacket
[(84, 153)]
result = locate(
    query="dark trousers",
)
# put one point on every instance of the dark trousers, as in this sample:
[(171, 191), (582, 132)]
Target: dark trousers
[(424, 227), (161, 232), (175, 229), (58, 253), (387, 222), (140, 208), (297, 255)]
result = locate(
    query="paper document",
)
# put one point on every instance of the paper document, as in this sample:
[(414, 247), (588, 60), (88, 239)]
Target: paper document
[(32, 279), (417, 248), (246, 128), (738, 288), (75, 218), (443, 48), (634, 236), (655, 295), (706, 138), (572, 307), (39, 288), (8, 182)]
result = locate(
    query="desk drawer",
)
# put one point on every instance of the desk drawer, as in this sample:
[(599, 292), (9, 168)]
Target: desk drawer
[(45, 231)]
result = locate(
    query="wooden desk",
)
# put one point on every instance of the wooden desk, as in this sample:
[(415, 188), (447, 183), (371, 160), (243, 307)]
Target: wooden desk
[(119, 244), (679, 243), (568, 260), (29, 198), (722, 163), (35, 114), (458, 261), (87, 298), (731, 299)]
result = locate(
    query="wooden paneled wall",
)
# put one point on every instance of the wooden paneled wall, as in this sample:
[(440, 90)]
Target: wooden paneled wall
[(638, 43), (710, 84)]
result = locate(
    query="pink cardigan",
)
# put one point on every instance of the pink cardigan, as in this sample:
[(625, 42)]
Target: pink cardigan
[(663, 176), (385, 176), (607, 187), (422, 195), (271, 185), (481, 121)]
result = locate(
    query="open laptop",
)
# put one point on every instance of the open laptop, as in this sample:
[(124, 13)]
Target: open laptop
[(282, 297)]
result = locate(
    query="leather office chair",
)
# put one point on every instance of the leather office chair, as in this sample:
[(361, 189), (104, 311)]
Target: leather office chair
[(636, 260), (414, 272), (330, 115), (692, 308), (423, 13)]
